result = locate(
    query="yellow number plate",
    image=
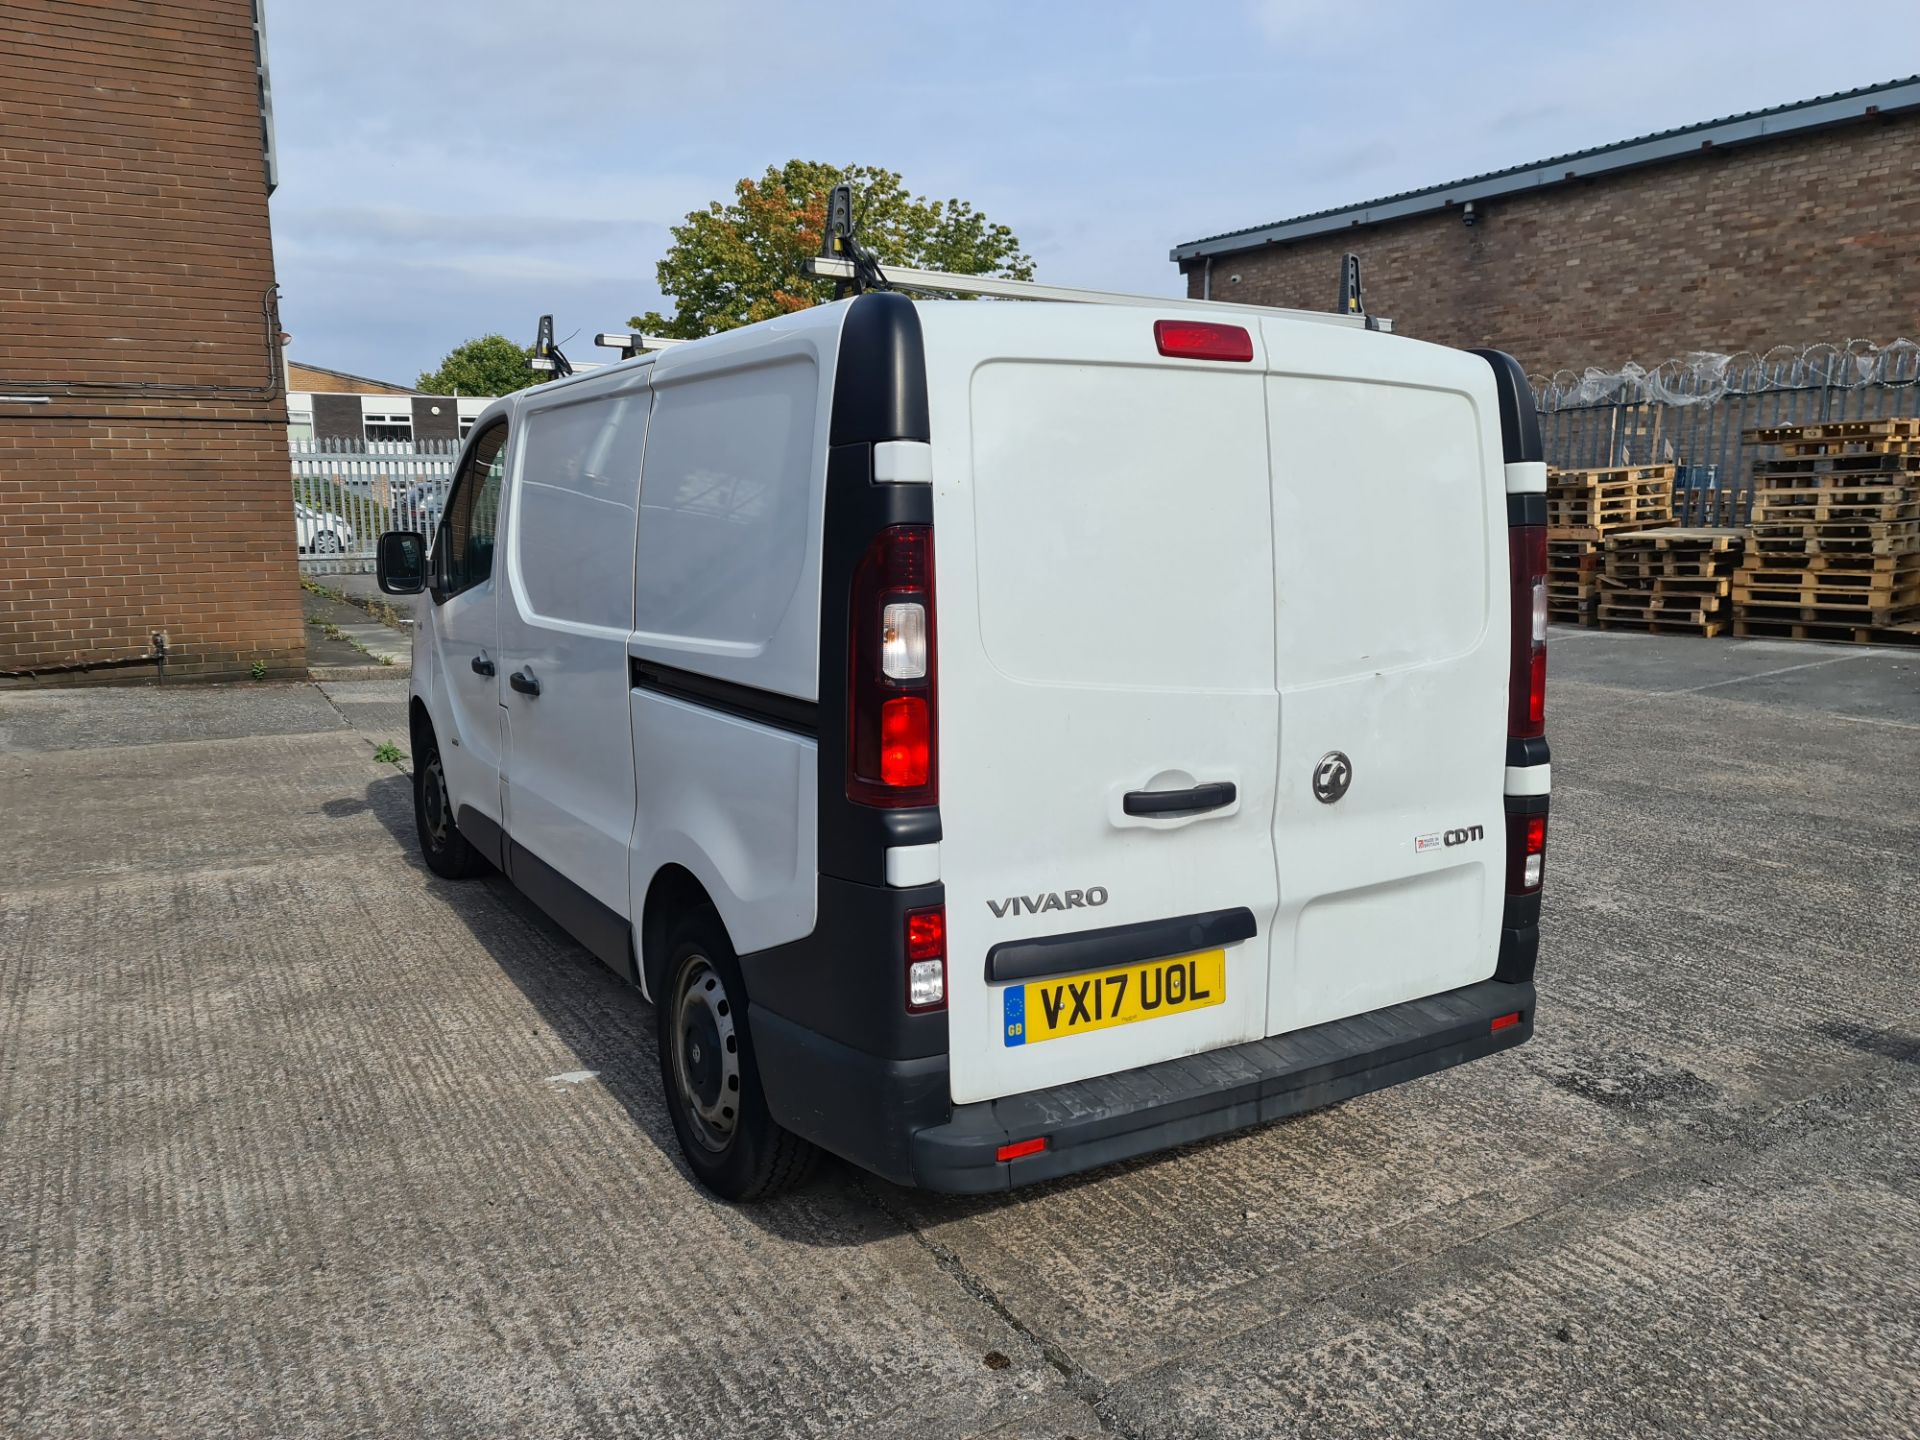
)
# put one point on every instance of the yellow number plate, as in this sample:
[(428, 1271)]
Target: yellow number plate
[(1048, 1009)]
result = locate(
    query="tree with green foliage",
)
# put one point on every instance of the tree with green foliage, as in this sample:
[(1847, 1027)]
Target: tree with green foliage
[(489, 365), (733, 264)]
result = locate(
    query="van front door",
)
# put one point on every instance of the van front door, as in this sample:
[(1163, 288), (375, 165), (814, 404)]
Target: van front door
[(564, 621), (465, 631)]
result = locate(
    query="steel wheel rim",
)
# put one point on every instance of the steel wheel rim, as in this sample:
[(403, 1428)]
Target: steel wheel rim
[(434, 803), (706, 1054), (327, 543)]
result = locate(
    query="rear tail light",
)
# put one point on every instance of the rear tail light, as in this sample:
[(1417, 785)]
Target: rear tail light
[(1527, 678), (1526, 853), (892, 715), (1202, 340), (927, 958)]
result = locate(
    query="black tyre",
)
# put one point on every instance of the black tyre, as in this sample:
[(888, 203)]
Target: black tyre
[(445, 849), (732, 1144)]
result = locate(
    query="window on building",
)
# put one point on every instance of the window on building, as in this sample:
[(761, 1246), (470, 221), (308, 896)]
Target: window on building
[(397, 425), (300, 426), (466, 425)]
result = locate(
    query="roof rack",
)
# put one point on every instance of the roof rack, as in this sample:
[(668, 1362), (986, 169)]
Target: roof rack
[(941, 282), (844, 259)]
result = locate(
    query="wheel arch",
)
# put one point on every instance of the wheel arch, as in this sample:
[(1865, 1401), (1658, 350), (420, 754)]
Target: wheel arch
[(673, 891)]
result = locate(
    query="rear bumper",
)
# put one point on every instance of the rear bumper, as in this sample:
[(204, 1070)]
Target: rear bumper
[(893, 1117)]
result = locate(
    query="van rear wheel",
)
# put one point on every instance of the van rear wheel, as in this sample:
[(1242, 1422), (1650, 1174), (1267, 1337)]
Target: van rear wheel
[(732, 1143), (444, 848)]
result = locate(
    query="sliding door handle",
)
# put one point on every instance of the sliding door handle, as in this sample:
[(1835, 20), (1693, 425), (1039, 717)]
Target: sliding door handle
[(482, 665), (1200, 798), (523, 681)]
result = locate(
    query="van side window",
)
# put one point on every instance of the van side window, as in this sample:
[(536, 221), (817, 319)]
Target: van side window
[(466, 535), (576, 491), (723, 503)]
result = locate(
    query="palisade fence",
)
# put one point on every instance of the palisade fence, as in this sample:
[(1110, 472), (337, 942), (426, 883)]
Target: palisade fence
[(346, 492), (1691, 411)]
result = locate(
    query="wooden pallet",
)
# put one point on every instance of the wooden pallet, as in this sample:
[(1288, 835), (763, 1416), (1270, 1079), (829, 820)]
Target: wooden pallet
[(1896, 428), (1855, 506), (1828, 606), (1799, 467), (1664, 623), (1892, 537), (1795, 449), (1772, 627)]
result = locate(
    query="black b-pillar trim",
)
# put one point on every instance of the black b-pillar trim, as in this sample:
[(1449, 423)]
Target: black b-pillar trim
[(1519, 422)]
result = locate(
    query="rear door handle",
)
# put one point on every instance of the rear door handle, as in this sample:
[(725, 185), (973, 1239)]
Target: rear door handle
[(1211, 796), (523, 681), (482, 665)]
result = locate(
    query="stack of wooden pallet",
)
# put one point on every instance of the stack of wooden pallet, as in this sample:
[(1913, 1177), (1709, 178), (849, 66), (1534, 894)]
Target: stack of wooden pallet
[(1583, 508), (1836, 533), (1671, 580)]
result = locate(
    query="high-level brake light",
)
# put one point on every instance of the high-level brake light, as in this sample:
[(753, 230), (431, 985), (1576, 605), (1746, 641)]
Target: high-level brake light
[(1202, 340)]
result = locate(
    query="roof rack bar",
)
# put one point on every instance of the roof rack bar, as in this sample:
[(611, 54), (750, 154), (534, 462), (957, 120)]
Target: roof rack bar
[(937, 282), (632, 345)]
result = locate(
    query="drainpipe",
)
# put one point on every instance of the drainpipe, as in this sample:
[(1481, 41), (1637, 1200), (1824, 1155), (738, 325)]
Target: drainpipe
[(1206, 280)]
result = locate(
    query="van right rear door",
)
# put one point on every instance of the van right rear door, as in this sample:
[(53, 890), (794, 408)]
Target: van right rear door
[(1391, 622)]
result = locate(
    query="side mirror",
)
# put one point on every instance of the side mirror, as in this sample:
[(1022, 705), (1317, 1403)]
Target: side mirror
[(402, 564)]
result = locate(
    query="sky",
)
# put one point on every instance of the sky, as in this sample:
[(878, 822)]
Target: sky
[(450, 168)]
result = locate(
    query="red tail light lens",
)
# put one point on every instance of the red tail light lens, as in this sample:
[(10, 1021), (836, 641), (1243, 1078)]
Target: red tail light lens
[(927, 959), (906, 742), (892, 710), (1526, 853), (1202, 340), (1527, 678)]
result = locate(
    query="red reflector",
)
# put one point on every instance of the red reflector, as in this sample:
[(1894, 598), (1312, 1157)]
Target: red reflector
[(927, 934), (1202, 340), (905, 741), (1021, 1147), (1536, 834), (1501, 1022)]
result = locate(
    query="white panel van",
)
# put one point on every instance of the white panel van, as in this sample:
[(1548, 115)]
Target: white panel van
[(1002, 739)]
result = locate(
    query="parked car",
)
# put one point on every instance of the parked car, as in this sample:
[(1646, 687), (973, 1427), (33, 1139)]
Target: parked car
[(418, 507), (321, 532), (1006, 739)]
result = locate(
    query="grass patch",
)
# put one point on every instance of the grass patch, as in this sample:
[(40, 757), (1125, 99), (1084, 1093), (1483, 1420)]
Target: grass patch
[(388, 753)]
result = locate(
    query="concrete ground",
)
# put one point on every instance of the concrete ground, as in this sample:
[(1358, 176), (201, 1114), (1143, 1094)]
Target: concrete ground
[(296, 1139)]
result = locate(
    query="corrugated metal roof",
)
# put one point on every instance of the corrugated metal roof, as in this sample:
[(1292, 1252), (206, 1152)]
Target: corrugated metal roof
[(1754, 125)]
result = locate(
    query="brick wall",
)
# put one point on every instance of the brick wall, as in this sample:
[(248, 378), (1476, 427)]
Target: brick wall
[(150, 491), (1791, 241)]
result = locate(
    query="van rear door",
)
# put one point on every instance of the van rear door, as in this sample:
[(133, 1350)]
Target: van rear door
[(1164, 576), (1391, 610), (1103, 555)]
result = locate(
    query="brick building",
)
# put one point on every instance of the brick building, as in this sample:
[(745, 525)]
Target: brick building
[(334, 406), (143, 441), (1785, 226)]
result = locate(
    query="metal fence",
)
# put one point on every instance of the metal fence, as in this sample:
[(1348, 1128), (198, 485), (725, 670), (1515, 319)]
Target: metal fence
[(346, 492), (1690, 414)]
